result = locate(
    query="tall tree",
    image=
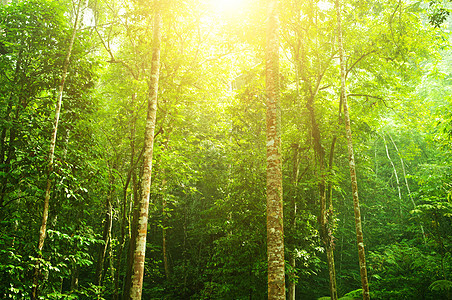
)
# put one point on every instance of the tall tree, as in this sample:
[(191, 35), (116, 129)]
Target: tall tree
[(45, 214), (143, 205), (275, 232), (351, 159)]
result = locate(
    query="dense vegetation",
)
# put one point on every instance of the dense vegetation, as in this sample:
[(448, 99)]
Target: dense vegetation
[(206, 235)]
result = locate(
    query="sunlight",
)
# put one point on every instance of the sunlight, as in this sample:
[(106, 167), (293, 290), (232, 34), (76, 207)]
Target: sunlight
[(226, 6)]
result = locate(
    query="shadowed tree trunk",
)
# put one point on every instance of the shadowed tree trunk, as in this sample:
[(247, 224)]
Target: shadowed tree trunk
[(45, 214), (106, 235), (325, 215), (125, 202), (143, 205), (165, 215), (351, 159), (275, 232), (164, 231), (132, 240), (293, 263), (329, 218)]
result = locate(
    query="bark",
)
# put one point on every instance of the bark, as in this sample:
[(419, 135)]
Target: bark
[(45, 214), (351, 159), (275, 232), (143, 209)]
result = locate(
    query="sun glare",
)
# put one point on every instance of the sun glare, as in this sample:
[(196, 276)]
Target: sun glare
[(227, 6)]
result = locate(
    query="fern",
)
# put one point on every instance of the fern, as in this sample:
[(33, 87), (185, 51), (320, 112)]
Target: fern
[(441, 285)]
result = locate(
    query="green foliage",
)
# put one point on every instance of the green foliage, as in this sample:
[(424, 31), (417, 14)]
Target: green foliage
[(356, 294), (208, 188), (441, 285), (404, 271)]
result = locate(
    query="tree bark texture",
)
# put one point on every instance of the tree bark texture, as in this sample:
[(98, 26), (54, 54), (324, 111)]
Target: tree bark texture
[(45, 214), (275, 232), (143, 208), (351, 159)]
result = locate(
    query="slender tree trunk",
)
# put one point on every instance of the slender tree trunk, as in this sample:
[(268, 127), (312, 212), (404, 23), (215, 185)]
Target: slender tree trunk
[(125, 206), (165, 218), (408, 186), (164, 214), (45, 214), (140, 250), (326, 235), (106, 235), (132, 233), (132, 242), (291, 294), (275, 232), (164, 231), (396, 176), (351, 159), (74, 276), (329, 218), (4, 162)]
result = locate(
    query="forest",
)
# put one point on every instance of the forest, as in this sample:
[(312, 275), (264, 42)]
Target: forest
[(225, 149)]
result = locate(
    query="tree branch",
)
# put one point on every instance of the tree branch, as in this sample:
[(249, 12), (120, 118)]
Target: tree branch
[(358, 60)]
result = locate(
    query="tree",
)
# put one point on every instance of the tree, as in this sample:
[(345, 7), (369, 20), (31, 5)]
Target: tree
[(143, 205), (45, 214), (275, 233), (351, 159)]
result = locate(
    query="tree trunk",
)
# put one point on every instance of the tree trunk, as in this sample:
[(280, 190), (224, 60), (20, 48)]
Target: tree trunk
[(408, 186), (143, 208), (275, 232), (165, 220), (125, 206), (396, 176), (45, 214), (164, 241), (291, 294), (325, 234), (351, 159), (132, 243), (5, 162), (329, 218), (106, 235), (74, 276)]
